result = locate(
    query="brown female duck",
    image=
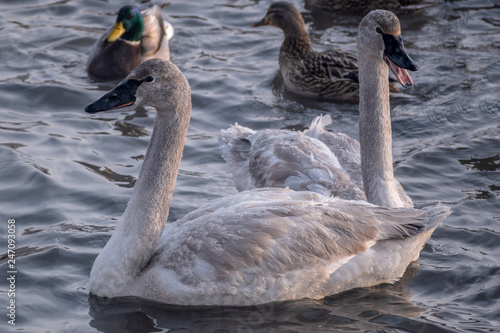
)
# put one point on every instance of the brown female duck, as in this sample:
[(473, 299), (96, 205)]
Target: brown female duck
[(331, 74)]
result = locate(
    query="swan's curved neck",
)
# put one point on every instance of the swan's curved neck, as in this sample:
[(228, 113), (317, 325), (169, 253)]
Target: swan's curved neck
[(132, 244), (375, 133)]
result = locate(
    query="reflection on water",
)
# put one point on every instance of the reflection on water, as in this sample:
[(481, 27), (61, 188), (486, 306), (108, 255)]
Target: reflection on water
[(66, 176), (483, 164), (123, 180), (357, 310)]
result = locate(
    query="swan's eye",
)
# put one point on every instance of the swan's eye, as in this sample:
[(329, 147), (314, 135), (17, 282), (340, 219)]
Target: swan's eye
[(148, 79), (378, 30)]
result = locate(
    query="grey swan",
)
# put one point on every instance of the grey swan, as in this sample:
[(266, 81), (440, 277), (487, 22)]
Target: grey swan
[(251, 247)]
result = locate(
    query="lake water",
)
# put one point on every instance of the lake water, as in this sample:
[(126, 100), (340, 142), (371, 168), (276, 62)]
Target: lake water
[(66, 176)]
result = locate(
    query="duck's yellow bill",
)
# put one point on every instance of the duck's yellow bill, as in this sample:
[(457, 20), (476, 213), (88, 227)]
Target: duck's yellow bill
[(118, 30)]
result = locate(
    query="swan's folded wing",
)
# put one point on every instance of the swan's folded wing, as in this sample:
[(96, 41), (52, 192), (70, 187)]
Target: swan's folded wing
[(347, 151), (282, 235)]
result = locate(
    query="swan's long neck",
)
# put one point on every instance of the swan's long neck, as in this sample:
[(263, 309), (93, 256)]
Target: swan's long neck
[(132, 244), (375, 133)]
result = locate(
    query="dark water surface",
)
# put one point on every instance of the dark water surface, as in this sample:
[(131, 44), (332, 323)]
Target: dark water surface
[(66, 176)]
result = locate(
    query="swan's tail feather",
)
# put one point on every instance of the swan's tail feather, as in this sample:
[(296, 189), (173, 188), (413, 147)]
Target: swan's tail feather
[(318, 125), (418, 220), (436, 212)]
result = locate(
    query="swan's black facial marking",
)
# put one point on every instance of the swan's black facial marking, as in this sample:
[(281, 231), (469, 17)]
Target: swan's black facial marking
[(124, 94), (395, 51)]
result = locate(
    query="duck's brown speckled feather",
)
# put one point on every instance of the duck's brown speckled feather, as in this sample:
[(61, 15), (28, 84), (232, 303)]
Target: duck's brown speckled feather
[(331, 74), (327, 74)]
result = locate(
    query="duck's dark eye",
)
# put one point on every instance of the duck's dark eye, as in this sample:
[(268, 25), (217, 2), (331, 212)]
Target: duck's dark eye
[(148, 79), (379, 30), (112, 96), (131, 15)]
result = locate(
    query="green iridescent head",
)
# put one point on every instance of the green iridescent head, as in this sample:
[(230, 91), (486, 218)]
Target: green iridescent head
[(129, 25)]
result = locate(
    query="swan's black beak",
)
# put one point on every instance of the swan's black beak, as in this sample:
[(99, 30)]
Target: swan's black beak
[(398, 59), (124, 94)]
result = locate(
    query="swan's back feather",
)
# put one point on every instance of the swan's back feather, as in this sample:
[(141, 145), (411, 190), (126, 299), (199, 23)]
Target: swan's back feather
[(318, 126), (314, 160), (274, 244), (347, 151)]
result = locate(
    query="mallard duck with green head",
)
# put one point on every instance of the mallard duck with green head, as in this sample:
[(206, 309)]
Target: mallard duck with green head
[(331, 74), (136, 37)]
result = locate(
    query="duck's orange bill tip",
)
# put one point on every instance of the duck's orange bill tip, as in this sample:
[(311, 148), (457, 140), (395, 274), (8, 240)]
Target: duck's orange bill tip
[(259, 23)]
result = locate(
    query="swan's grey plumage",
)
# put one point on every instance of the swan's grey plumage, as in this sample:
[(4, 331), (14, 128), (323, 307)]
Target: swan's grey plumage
[(115, 60), (275, 244), (252, 247), (314, 160)]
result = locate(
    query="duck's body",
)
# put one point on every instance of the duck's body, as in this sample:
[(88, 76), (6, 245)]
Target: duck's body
[(130, 42), (249, 248), (331, 74), (361, 7)]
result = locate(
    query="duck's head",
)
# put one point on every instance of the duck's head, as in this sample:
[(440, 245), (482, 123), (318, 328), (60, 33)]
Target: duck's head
[(129, 25), (380, 36), (155, 82), (285, 16)]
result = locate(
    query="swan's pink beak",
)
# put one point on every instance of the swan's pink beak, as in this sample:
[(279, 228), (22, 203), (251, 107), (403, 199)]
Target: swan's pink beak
[(397, 59), (400, 73)]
